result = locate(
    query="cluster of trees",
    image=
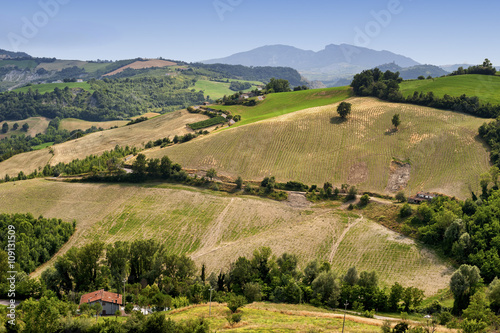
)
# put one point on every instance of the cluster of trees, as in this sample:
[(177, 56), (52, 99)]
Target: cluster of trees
[(110, 99), (490, 132), (267, 189), (278, 85), (36, 239), (467, 231), (15, 126), (386, 86), (485, 69), (239, 86), (109, 161)]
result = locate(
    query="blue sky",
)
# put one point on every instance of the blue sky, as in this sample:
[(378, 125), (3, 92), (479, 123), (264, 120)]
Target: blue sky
[(437, 32)]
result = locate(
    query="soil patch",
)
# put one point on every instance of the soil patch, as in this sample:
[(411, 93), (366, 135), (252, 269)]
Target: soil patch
[(399, 177), (358, 173)]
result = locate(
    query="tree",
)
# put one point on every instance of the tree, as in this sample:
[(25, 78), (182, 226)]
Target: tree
[(239, 182), (128, 308), (344, 109), (278, 85), (5, 128), (326, 289), (236, 302), (405, 211), (351, 277), (364, 200), (400, 196), (479, 308), (463, 285), (211, 173), (26, 127), (396, 121), (15, 126), (493, 294), (139, 165), (351, 194)]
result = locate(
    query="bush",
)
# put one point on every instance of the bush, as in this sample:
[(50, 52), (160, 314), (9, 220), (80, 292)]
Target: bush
[(128, 308), (365, 198), (236, 302), (234, 318), (405, 211), (400, 196), (351, 194)]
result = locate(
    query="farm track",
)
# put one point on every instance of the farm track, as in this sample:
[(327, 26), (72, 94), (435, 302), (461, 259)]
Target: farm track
[(341, 238)]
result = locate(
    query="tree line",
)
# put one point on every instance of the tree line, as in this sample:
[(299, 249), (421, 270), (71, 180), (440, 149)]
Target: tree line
[(385, 85)]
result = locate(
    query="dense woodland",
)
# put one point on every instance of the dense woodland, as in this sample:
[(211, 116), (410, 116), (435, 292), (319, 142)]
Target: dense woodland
[(36, 239), (111, 99)]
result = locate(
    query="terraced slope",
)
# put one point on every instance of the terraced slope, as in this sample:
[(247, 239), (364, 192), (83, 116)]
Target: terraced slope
[(314, 146)]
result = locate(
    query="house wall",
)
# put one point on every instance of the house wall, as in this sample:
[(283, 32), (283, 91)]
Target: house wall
[(107, 308)]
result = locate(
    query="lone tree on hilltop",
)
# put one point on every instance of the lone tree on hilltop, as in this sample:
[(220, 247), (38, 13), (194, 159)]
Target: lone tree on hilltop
[(396, 121), (344, 109)]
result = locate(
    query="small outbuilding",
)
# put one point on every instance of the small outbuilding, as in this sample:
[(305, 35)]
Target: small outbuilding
[(110, 302)]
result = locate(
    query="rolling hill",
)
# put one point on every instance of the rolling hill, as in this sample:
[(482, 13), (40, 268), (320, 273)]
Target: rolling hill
[(170, 124), (216, 228), (313, 146), (486, 87)]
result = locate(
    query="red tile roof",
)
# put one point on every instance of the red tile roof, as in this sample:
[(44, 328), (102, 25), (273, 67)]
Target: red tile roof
[(102, 295)]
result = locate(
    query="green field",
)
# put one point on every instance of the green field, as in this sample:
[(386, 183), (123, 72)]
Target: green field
[(42, 146), (275, 105), (486, 87), (217, 90), (207, 123), (314, 146), (215, 227), (49, 87)]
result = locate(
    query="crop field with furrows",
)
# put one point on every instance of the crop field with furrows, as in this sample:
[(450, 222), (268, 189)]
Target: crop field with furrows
[(167, 125), (314, 146), (486, 87), (370, 246), (216, 228), (36, 125)]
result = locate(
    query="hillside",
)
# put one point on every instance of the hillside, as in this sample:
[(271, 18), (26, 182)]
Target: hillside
[(313, 146), (486, 87), (142, 65), (275, 105), (216, 228), (413, 72), (170, 125)]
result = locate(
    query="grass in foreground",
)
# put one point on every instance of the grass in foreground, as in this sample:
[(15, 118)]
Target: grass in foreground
[(486, 87)]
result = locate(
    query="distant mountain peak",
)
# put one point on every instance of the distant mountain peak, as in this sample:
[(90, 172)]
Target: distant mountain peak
[(343, 59)]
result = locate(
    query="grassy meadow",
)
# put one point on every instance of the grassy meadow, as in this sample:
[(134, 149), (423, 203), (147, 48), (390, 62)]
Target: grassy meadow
[(49, 87), (314, 146), (217, 90), (275, 105), (486, 87), (215, 228)]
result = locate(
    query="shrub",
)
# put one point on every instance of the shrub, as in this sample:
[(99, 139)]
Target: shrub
[(236, 302), (128, 308), (233, 318), (365, 198), (351, 194), (405, 211), (400, 196)]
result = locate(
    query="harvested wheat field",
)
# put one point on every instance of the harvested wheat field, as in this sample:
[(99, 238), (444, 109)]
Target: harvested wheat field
[(315, 146), (215, 228), (168, 125), (142, 65), (36, 125)]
